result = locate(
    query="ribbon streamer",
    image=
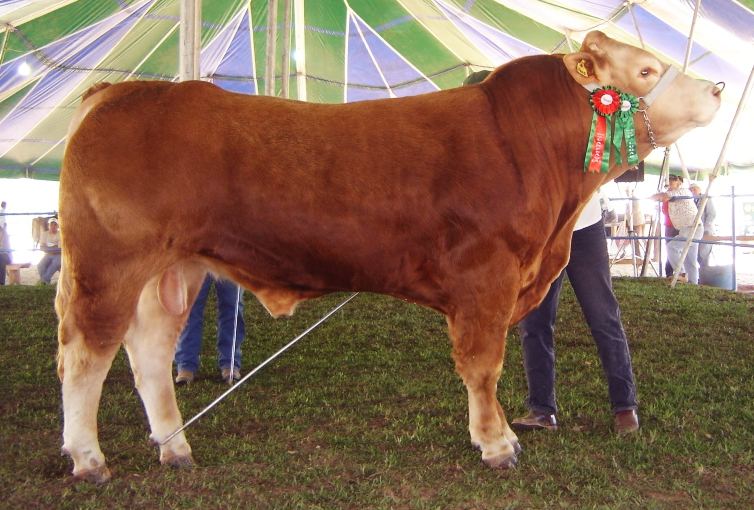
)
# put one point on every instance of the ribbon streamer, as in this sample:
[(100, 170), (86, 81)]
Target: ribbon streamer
[(607, 101), (624, 127)]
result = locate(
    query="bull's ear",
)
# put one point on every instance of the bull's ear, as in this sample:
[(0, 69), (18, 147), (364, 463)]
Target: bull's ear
[(582, 67)]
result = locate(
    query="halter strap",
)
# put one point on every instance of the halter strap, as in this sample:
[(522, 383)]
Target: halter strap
[(660, 86), (653, 94)]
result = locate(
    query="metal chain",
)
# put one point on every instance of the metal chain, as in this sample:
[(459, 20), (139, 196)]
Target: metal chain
[(649, 128)]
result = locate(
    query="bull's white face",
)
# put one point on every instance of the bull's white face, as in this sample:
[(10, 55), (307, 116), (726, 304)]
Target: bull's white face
[(684, 105)]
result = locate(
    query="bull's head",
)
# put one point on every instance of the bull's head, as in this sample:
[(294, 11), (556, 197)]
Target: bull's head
[(685, 103)]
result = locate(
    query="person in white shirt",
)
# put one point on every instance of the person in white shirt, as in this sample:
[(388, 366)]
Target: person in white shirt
[(682, 211), (50, 244)]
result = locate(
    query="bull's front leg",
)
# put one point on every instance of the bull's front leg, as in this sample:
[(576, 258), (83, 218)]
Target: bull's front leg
[(478, 350)]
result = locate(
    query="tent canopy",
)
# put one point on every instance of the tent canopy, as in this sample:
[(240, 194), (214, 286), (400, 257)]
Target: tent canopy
[(343, 50)]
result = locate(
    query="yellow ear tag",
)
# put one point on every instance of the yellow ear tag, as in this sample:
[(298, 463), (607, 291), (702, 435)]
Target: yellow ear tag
[(581, 68)]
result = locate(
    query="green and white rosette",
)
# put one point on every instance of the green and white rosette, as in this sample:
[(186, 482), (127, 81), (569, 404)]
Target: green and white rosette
[(624, 128)]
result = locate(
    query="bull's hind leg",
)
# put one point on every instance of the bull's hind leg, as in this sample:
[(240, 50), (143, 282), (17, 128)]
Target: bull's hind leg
[(478, 350), (150, 343), (82, 368)]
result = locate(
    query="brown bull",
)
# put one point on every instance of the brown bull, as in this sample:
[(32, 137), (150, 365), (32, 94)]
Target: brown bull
[(461, 200)]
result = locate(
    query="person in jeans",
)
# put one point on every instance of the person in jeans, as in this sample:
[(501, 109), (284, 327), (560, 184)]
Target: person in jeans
[(5, 253), (229, 321), (588, 271), (50, 245), (682, 211)]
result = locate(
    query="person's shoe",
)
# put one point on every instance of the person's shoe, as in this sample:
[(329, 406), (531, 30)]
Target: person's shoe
[(626, 422), (184, 377), (535, 421), (225, 374)]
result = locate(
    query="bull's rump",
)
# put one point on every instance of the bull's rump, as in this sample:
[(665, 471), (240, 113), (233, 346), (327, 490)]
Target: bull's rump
[(357, 196)]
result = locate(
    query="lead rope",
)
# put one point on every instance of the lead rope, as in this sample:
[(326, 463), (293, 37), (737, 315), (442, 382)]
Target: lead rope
[(232, 378), (261, 365)]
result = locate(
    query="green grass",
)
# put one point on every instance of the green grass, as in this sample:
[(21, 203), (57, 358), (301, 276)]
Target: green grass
[(367, 412)]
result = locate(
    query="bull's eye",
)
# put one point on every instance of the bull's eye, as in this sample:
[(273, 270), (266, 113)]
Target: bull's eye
[(645, 72)]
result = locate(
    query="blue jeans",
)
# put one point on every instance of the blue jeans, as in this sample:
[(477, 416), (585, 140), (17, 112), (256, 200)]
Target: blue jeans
[(47, 267), (675, 250), (589, 273), (190, 342)]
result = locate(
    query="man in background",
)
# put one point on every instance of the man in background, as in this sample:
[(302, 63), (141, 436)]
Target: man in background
[(50, 245)]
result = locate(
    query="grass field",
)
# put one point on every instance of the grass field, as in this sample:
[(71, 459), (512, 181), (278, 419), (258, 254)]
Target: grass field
[(367, 412)]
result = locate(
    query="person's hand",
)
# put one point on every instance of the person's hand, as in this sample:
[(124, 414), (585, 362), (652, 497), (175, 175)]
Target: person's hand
[(660, 197)]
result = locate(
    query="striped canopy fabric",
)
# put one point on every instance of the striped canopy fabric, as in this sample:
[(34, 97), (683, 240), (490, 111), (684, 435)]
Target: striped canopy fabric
[(342, 51)]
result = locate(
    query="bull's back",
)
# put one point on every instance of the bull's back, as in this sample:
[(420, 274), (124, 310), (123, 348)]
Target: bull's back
[(316, 195)]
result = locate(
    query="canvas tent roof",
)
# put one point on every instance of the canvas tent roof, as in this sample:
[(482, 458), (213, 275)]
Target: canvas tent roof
[(343, 50)]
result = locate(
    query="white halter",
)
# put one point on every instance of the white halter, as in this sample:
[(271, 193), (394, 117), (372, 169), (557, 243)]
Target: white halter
[(660, 86)]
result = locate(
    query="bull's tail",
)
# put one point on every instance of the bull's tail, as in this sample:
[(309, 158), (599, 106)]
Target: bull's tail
[(94, 89)]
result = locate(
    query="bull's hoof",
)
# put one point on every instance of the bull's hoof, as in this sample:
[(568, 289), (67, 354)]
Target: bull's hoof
[(180, 462), (517, 448), (97, 475), (501, 461)]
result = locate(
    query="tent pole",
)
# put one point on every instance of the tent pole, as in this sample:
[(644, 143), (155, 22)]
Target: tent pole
[(569, 40), (713, 175), (684, 170), (272, 29), (286, 73), (687, 58), (300, 34), (5, 42), (636, 24), (190, 40)]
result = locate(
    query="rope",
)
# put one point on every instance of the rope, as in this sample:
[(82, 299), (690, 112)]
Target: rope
[(261, 365), (232, 379)]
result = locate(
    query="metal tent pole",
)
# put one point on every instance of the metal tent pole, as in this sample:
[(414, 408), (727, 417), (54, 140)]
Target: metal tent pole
[(190, 39), (272, 29)]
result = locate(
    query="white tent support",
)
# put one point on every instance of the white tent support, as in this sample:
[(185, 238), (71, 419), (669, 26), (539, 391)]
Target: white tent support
[(690, 43), (300, 34), (713, 175), (636, 24), (190, 40), (684, 169), (272, 32), (286, 78)]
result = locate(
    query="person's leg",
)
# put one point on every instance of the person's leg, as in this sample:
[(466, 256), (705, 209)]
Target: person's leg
[(4, 261), (229, 321), (670, 232), (190, 342), (690, 262), (42, 267), (589, 273), (538, 348), (53, 267)]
